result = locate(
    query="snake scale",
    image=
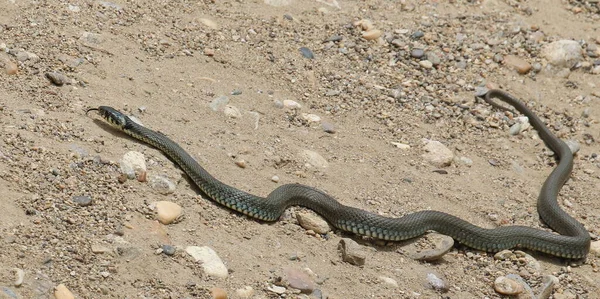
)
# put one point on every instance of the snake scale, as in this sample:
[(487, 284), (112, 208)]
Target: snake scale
[(572, 242)]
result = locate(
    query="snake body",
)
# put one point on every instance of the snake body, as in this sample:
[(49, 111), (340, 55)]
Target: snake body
[(572, 242)]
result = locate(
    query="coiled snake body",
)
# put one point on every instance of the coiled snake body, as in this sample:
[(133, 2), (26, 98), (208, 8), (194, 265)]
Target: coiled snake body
[(572, 242)]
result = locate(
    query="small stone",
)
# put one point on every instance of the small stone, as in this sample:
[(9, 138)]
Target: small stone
[(275, 179), (58, 79), (209, 23), (232, 111), (311, 117), (10, 67), (311, 221), (19, 277), (364, 24), (389, 281), (372, 34), (352, 252), (209, 52), (438, 154), (328, 127), (276, 289), (218, 293), (306, 52), (99, 249), (563, 53), (442, 244), (211, 262), (595, 248), (245, 292), (529, 260), (548, 284), (162, 184), (219, 103), (133, 163), (299, 280), (426, 64), (504, 255), (241, 163), (507, 286), (437, 283), (522, 66), (291, 104), (573, 145), (401, 146), (62, 292), (314, 159), (434, 58), (168, 249), (82, 200), (167, 212), (417, 53)]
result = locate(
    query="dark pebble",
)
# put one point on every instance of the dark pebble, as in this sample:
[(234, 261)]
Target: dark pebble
[(417, 53), (418, 34), (306, 52), (82, 200), (236, 92), (168, 249)]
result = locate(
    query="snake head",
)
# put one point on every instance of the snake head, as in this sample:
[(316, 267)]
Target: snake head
[(111, 115)]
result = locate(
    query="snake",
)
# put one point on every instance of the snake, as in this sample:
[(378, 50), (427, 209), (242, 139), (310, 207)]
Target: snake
[(572, 240)]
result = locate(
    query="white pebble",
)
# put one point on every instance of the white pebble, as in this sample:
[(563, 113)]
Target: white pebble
[(232, 111), (245, 292), (275, 179), (426, 64), (311, 221), (291, 104), (162, 184), (507, 286), (389, 281), (133, 163), (311, 117), (19, 277), (276, 289), (401, 146), (211, 262), (314, 159)]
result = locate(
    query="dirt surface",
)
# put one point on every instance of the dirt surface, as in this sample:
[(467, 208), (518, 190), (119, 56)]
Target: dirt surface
[(166, 61)]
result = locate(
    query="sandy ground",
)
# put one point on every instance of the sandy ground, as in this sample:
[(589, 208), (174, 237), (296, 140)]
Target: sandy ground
[(170, 59)]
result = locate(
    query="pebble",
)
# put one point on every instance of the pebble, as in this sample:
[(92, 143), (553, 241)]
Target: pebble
[(62, 292), (436, 283), (232, 111), (426, 64), (219, 103), (168, 249), (209, 23), (438, 154), (401, 146), (19, 277), (434, 58), (418, 34), (245, 292), (328, 127), (372, 34), (99, 249), (311, 221), (442, 244), (167, 212), (573, 145), (595, 248), (389, 281), (562, 53), (276, 289), (162, 184), (529, 260), (299, 280), (218, 293), (10, 67), (58, 79), (311, 117), (82, 200), (133, 163), (211, 262), (548, 284), (241, 163), (291, 104), (306, 52), (275, 179), (504, 255), (519, 64), (314, 159), (417, 53), (352, 252), (506, 286)]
